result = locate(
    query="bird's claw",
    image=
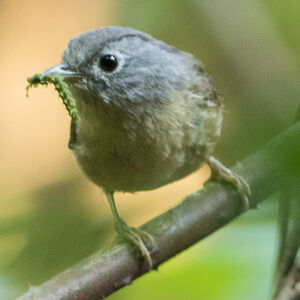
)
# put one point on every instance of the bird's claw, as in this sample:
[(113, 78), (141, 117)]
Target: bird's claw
[(218, 170), (143, 240)]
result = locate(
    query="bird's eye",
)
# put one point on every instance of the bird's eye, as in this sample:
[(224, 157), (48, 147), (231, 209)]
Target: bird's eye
[(108, 63)]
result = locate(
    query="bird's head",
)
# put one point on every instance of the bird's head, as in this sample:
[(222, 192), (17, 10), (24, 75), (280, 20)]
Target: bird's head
[(121, 66)]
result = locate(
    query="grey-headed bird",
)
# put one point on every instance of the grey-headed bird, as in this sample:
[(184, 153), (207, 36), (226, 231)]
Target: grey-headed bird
[(149, 114)]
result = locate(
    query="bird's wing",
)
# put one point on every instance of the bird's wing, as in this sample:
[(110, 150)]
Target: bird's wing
[(73, 135)]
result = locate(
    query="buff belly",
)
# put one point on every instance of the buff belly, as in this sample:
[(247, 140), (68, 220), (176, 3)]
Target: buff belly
[(123, 153), (134, 166)]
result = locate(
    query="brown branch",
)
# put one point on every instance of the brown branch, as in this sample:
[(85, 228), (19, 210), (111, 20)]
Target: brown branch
[(290, 288), (200, 214)]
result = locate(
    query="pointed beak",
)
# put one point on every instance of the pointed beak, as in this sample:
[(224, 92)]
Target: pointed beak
[(62, 70)]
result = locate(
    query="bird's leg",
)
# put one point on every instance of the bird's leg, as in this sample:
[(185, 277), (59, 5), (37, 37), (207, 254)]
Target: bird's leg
[(218, 171), (139, 238)]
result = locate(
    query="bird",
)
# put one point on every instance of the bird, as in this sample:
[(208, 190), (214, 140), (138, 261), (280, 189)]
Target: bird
[(149, 114)]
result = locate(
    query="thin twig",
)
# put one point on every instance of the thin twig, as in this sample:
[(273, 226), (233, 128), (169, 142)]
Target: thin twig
[(200, 214)]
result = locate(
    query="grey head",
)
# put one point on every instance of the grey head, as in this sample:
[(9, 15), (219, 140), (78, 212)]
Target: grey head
[(145, 70)]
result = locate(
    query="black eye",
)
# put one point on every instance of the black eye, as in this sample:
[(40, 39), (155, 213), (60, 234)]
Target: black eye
[(108, 63)]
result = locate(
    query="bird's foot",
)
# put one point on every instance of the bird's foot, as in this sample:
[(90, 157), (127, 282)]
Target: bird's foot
[(141, 239), (218, 171)]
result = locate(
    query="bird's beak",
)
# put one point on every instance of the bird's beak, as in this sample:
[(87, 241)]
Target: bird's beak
[(62, 70)]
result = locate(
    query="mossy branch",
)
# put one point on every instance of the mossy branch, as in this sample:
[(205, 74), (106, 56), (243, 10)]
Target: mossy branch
[(198, 215)]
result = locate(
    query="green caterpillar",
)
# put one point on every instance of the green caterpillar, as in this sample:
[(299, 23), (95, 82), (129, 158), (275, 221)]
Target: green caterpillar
[(60, 86)]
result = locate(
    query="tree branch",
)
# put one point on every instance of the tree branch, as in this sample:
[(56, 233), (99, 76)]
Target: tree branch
[(200, 214), (290, 288)]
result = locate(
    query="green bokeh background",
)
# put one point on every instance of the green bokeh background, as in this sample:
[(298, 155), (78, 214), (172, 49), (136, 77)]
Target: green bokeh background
[(252, 49)]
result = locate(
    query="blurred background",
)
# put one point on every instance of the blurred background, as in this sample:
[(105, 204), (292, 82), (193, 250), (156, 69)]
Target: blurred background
[(52, 217)]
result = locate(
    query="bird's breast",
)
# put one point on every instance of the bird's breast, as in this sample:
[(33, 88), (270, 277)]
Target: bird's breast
[(124, 153)]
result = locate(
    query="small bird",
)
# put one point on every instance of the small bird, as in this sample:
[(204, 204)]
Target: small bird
[(149, 114)]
